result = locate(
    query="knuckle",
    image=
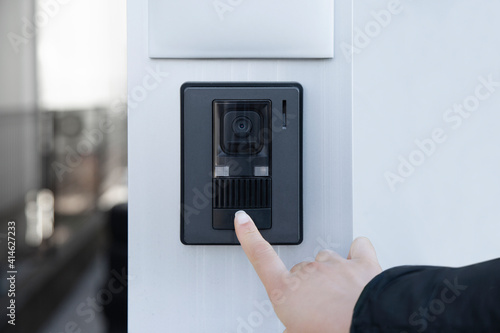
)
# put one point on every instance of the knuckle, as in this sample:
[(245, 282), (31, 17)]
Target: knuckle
[(311, 267), (277, 297), (325, 255), (296, 267), (326, 252), (292, 282)]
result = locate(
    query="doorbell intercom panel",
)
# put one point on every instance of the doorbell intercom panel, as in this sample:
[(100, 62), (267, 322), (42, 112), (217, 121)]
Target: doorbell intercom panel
[(241, 149)]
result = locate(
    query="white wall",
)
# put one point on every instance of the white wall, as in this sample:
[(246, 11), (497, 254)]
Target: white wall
[(426, 60), (180, 288)]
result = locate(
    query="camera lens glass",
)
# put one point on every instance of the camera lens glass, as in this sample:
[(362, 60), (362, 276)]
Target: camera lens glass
[(242, 126)]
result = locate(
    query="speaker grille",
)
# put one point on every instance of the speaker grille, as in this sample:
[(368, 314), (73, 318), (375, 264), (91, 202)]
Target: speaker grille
[(242, 193)]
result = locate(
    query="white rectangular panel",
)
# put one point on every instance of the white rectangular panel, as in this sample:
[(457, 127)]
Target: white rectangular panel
[(240, 29)]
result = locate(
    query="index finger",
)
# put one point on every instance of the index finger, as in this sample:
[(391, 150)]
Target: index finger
[(262, 256)]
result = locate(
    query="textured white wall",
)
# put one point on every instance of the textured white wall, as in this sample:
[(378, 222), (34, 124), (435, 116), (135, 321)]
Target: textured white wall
[(406, 77), (180, 288)]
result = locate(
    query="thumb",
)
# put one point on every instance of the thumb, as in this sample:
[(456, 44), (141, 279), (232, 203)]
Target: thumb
[(362, 248)]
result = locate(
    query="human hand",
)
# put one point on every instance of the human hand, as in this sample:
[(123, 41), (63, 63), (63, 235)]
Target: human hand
[(312, 297)]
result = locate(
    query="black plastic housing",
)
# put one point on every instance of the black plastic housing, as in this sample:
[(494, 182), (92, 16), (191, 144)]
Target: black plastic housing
[(251, 132)]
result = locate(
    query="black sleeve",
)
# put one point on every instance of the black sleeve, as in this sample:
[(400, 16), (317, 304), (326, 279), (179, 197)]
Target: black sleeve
[(431, 299)]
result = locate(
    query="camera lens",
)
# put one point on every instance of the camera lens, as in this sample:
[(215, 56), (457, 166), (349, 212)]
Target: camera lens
[(242, 126)]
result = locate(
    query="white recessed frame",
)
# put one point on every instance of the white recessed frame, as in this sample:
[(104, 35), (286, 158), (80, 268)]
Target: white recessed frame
[(240, 29)]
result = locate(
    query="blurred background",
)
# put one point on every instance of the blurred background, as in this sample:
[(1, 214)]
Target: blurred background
[(63, 163)]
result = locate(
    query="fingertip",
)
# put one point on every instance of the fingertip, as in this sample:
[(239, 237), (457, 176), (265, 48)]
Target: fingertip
[(361, 247), (243, 224), (241, 217)]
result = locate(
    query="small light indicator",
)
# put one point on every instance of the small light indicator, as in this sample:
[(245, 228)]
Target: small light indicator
[(283, 110), (261, 171), (222, 171)]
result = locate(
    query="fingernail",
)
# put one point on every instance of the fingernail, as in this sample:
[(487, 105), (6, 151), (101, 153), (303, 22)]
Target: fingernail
[(241, 217)]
